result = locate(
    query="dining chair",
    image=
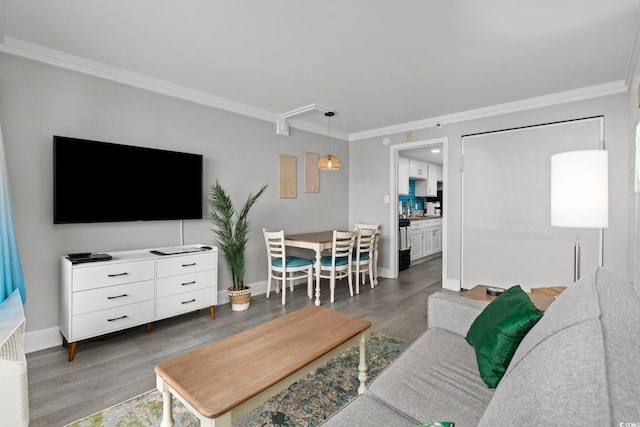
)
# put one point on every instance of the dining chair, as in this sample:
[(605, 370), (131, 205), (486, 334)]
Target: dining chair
[(338, 264), (376, 240), (283, 267), (362, 258)]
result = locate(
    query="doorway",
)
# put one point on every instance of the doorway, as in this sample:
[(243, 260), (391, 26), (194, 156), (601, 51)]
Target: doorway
[(416, 149)]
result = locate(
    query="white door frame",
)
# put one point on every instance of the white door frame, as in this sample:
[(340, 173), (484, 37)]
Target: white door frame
[(393, 206)]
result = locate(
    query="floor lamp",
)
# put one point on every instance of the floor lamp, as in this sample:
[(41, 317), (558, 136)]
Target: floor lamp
[(579, 194)]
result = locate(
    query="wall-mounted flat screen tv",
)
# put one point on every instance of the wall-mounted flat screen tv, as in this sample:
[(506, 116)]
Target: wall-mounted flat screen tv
[(103, 182)]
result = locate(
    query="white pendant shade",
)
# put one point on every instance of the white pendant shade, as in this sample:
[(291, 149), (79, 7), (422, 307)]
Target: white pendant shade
[(580, 189)]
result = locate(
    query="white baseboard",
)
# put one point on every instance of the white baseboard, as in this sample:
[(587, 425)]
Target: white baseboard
[(42, 339), (258, 288), (385, 272), (451, 284)]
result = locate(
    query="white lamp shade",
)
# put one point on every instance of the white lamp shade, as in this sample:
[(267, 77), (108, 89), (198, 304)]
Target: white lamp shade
[(580, 189)]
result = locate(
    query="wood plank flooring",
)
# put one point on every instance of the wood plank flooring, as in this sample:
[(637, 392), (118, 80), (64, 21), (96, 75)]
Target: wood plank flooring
[(114, 368)]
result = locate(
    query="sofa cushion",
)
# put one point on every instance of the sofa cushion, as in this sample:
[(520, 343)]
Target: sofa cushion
[(498, 330), (366, 410), (436, 378), (578, 365)]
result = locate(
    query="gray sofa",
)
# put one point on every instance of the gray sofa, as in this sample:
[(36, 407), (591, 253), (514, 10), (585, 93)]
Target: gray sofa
[(578, 366)]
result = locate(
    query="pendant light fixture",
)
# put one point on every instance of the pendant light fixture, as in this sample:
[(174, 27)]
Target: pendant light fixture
[(329, 162)]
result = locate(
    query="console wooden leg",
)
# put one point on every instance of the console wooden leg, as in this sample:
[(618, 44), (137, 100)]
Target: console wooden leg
[(72, 351), (212, 310), (149, 327), (64, 341)]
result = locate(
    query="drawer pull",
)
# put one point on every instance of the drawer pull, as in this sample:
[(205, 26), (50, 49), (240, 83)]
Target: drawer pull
[(116, 275), (117, 318), (189, 265), (118, 296), (190, 301), (189, 283)]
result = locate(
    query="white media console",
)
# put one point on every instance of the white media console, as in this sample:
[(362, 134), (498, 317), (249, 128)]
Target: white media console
[(134, 288)]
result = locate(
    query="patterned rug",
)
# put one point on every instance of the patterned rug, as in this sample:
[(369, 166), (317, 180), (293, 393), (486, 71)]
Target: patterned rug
[(307, 402)]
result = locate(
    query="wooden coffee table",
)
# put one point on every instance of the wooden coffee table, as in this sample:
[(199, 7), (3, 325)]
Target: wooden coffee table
[(479, 292), (222, 381)]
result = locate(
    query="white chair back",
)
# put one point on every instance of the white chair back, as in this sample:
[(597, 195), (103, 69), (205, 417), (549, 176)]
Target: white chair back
[(275, 245), (342, 246)]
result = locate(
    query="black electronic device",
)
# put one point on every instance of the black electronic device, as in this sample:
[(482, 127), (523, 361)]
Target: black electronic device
[(494, 292), (78, 255), (90, 258), (103, 182)]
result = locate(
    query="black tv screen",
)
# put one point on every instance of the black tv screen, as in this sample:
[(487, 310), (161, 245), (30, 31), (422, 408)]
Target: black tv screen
[(103, 182)]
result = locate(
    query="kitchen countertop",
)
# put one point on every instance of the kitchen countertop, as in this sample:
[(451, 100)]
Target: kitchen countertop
[(421, 218)]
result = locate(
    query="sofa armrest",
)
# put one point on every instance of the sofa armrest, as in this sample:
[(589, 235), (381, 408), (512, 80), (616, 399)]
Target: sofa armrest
[(452, 312)]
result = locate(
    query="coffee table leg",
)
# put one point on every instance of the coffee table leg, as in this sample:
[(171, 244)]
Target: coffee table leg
[(318, 266), (362, 368), (167, 410)]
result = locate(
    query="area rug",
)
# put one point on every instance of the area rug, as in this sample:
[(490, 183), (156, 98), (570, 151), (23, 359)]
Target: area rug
[(307, 402)]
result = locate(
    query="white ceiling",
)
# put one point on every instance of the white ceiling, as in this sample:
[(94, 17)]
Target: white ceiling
[(380, 64)]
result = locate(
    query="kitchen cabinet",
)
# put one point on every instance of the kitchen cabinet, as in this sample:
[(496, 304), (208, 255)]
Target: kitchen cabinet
[(403, 176), (416, 240), (417, 169), (426, 238), (432, 180), (440, 174)]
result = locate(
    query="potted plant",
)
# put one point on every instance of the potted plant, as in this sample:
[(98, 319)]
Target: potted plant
[(232, 228)]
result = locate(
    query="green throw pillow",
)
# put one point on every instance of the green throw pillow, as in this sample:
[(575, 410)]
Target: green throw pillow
[(498, 330)]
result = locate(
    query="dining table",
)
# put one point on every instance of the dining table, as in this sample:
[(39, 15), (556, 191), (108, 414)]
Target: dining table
[(316, 241)]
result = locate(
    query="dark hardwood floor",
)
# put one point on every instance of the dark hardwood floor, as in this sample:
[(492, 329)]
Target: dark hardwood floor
[(114, 368)]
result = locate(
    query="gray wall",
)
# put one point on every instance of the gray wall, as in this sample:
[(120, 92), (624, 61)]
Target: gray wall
[(633, 252), (369, 182), (38, 101)]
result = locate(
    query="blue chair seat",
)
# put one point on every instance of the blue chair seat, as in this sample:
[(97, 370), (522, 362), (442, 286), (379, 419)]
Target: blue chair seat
[(292, 261), (364, 256), (326, 261)]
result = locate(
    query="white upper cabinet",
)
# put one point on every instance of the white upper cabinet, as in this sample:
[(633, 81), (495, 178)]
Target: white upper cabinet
[(403, 176), (432, 180), (417, 169)]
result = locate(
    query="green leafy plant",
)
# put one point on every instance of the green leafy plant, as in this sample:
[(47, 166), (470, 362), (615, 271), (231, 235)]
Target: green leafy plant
[(232, 229)]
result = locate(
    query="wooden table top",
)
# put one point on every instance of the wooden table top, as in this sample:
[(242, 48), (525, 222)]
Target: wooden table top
[(218, 377), (315, 237), (479, 292)]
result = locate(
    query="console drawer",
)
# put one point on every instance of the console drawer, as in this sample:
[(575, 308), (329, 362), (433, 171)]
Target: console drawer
[(183, 303), (174, 266), (112, 296), (109, 274), (185, 283), (113, 319)]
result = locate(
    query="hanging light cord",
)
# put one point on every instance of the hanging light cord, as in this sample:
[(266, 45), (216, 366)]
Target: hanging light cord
[(329, 114)]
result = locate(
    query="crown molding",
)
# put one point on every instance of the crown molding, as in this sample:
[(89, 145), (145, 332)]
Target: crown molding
[(71, 62), (611, 88), (57, 58), (60, 59)]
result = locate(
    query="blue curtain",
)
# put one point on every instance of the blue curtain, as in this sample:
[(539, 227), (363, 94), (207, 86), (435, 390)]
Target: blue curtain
[(10, 266)]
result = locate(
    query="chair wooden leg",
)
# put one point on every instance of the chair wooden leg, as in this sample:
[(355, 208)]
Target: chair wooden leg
[(332, 285), (351, 283), (268, 284), (283, 289), (370, 276), (310, 283)]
